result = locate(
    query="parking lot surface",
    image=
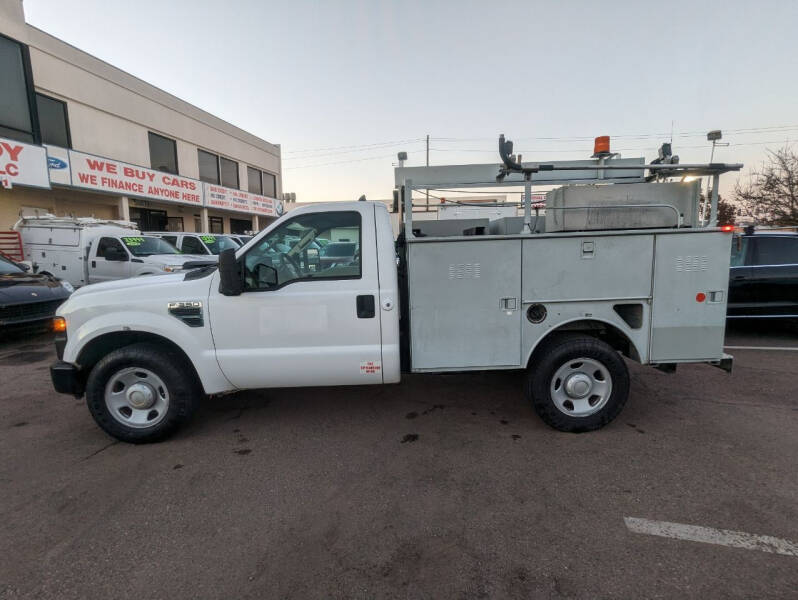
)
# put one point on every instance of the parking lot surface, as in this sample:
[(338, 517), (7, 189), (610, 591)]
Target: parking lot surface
[(441, 487)]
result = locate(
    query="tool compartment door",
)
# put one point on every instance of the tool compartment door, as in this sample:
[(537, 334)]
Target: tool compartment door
[(465, 304), (691, 278)]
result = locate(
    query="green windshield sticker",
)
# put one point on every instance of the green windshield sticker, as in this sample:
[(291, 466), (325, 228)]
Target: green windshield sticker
[(133, 241), (208, 239)]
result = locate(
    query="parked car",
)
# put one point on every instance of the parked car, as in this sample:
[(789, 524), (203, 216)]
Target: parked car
[(27, 298), (338, 253), (763, 278), (201, 244), (241, 239)]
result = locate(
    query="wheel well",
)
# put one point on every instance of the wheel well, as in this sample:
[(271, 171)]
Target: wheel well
[(102, 345), (601, 330)]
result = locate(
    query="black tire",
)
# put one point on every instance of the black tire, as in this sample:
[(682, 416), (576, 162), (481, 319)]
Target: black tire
[(556, 353), (184, 392)]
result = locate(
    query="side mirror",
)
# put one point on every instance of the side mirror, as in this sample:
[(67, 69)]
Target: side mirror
[(267, 275), (115, 255), (231, 280)]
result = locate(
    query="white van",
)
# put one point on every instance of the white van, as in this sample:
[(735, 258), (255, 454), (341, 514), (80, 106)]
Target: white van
[(85, 250)]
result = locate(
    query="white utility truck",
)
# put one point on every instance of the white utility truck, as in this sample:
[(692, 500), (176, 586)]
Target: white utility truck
[(566, 304), (86, 250)]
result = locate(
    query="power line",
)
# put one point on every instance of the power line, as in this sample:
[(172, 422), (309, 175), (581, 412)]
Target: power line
[(364, 146), (340, 162)]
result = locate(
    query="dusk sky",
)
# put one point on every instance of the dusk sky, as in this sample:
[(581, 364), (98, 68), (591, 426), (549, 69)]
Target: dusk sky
[(343, 86)]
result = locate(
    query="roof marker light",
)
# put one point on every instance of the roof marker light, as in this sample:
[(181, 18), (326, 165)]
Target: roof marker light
[(727, 228)]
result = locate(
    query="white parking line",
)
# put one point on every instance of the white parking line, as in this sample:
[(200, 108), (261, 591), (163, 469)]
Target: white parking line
[(788, 348), (709, 535)]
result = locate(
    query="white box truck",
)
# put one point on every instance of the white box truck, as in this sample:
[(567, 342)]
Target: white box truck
[(568, 308), (88, 250)]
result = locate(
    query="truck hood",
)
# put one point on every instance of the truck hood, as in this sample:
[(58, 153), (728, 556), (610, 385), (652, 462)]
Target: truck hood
[(175, 260), (140, 284), (21, 288)]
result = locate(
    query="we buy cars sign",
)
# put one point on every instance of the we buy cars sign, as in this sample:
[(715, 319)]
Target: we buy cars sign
[(106, 175), (22, 164)]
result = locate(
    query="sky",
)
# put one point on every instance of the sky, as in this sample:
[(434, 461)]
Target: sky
[(343, 86)]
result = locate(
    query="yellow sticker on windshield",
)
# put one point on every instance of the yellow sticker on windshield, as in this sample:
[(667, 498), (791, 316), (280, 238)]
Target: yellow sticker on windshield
[(133, 241), (208, 239)]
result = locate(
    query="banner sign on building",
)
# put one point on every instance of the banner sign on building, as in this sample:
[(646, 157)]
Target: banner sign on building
[(22, 164), (225, 198), (113, 176)]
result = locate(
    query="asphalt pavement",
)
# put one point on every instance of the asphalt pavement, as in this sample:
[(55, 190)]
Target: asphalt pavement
[(445, 486)]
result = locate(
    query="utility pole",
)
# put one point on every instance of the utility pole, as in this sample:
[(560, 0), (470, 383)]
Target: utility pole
[(427, 194)]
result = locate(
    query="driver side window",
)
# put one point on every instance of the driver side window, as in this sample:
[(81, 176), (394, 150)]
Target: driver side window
[(307, 247)]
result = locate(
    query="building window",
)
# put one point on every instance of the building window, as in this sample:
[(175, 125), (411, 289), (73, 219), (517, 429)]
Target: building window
[(53, 121), (269, 185), (197, 223), (174, 223), (208, 167), (229, 171), (163, 153), (17, 120), (254, 185), (216, 224)]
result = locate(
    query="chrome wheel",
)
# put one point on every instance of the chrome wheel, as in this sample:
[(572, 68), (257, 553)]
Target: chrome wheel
[(581, 387), (137, 397)]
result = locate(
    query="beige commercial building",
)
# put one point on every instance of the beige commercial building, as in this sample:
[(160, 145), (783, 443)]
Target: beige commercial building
[(81, 137)]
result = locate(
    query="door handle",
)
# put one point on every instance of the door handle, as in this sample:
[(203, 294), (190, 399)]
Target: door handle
[(365, 306), (94, 264)]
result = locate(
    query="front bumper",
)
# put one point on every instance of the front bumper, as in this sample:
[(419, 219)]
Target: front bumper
[(66, 379)]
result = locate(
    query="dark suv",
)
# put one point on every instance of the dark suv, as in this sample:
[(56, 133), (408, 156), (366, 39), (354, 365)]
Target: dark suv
[(763, 279)]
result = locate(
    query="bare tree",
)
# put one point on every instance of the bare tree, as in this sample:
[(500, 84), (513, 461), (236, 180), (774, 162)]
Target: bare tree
[(727, 212), (771, 194)]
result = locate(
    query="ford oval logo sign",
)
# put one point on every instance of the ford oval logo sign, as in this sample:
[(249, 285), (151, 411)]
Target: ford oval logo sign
[(55, 163)]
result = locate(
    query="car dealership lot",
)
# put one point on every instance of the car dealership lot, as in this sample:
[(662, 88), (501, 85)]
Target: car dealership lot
[(445, 486)]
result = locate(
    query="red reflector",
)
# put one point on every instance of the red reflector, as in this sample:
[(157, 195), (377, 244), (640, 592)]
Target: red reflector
[(700, 297), (727, 228)]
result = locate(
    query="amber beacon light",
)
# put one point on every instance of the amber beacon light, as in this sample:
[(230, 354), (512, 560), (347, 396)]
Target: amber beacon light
[(601, 145), (59, 324)]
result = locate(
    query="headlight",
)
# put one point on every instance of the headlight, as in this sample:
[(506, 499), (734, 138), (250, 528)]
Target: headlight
[(172, 269), (67, 286)]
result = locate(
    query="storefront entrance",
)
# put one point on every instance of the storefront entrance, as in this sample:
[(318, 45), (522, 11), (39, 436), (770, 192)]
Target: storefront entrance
[(240, 225), (148, 219)]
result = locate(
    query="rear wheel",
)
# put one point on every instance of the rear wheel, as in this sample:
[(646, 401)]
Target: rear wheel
[(578, 383), (141, 393)]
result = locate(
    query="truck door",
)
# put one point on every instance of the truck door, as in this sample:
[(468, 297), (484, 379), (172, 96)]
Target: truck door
[(108, 260), (775, 274), (741, 283), (191, 244), (300, 321)]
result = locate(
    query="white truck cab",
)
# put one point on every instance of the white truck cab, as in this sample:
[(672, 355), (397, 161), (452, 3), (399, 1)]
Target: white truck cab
[(87, 250), (568, 307)]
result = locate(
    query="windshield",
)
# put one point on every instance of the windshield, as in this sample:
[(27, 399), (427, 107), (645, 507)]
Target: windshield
[(217, 243), (8, 268), (144, 246)]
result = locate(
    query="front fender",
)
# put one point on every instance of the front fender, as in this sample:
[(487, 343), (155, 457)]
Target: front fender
[(196, 342)]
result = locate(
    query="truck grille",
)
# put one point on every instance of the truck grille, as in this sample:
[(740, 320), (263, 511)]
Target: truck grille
[(29, 311)]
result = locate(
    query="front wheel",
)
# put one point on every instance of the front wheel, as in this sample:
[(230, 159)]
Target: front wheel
[(141, 393), (577, 384)]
